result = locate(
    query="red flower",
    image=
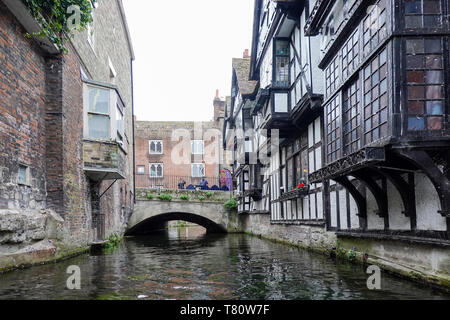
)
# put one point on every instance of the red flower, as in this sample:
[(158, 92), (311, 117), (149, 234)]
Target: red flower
[(301, 185)]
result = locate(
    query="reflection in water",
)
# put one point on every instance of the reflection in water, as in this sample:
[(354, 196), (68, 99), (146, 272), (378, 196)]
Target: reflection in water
[(188, 264), (184, 233)]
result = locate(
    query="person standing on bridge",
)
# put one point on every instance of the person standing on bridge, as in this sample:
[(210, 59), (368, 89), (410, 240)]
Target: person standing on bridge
[(181, 184), (204, 184)]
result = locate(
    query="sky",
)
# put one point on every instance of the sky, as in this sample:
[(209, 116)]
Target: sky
[(183, 54)]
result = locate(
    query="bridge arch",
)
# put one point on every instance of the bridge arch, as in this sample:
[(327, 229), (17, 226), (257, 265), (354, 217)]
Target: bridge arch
[(155, 222), (151, 215)]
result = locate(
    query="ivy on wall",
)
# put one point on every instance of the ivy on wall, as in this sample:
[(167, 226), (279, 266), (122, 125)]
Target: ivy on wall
[(59, 18)]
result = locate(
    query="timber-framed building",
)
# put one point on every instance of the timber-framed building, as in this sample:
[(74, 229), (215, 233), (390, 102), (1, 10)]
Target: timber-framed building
[(350, 114)]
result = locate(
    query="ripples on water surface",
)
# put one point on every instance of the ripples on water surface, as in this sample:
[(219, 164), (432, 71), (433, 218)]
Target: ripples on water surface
[(186, 264)]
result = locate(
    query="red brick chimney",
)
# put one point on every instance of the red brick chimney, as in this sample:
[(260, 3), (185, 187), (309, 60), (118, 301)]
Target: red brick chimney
[(219, 106), (246, 54)]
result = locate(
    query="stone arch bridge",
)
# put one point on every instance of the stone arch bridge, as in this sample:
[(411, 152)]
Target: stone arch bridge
[(151, 215)]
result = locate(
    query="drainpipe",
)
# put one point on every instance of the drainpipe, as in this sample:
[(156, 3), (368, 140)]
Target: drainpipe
[(134, 141)]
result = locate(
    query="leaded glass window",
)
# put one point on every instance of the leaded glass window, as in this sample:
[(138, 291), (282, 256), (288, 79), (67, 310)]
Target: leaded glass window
[(333, 129), (350, 55), (375, 98), (423, 14), (282, 63), (374, 27), (425, 83), (351, 113), (332, 77)]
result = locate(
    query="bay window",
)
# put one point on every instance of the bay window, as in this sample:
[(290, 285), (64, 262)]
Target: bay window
[(104, 113), (423, 14), (98, 115), (425, 84)]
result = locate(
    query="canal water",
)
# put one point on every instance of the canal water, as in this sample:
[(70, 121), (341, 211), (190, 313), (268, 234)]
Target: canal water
[(186, 264)]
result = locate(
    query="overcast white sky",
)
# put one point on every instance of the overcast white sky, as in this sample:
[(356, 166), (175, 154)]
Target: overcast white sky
[(183, 54)]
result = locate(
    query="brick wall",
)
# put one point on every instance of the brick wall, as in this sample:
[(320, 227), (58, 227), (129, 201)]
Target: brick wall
[(111, 44), (22, 117), (41, 126), (147, 130)]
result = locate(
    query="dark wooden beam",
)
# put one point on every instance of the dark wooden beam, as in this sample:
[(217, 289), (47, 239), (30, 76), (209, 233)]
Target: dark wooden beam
[(359, 198), (365, 176), (440, 181), (406, 191)]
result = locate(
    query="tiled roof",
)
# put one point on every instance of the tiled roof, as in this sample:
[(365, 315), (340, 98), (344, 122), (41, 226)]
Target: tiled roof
[(242, 69)]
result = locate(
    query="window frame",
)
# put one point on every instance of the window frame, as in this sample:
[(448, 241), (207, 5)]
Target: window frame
[(192, 170), (120, 128), (425, 115), (95, 113), (351, 113), (287, 82), (150, 170), (422, 15), (193, 144), (150, 147), (27, 175), (137, 170)]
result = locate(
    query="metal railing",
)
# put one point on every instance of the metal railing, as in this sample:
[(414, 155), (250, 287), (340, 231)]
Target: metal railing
[(176, 182)]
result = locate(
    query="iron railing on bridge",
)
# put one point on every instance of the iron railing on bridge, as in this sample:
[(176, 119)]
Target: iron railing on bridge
[(180, 182)]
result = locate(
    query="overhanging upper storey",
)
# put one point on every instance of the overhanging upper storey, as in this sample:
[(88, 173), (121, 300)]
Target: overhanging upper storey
[(386, 112), (290, 84), (317, 16)]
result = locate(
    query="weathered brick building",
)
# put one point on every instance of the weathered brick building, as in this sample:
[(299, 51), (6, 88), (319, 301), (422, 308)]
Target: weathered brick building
[(66, 135), (168, 152)]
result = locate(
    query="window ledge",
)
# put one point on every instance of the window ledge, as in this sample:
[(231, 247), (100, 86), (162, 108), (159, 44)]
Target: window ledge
[(24, 184)]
